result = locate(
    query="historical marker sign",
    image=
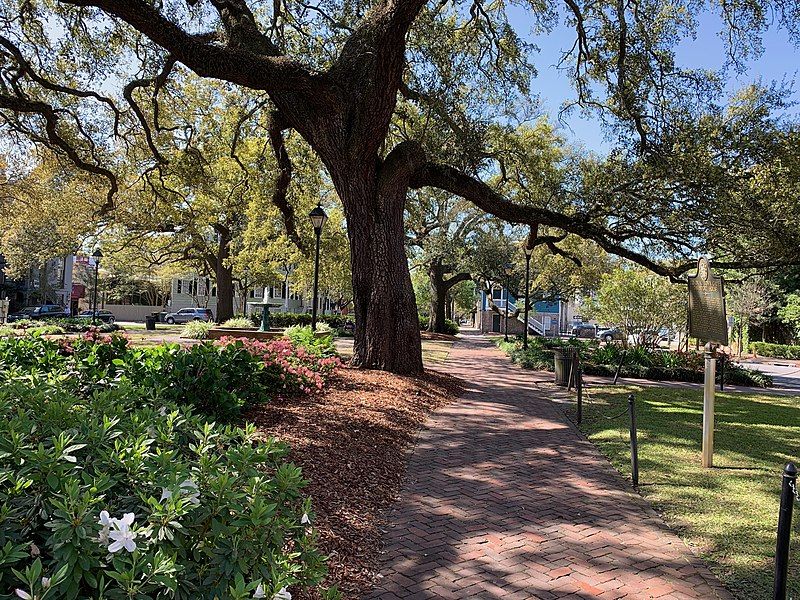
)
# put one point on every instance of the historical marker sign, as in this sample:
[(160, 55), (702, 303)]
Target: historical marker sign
[(707, 320)]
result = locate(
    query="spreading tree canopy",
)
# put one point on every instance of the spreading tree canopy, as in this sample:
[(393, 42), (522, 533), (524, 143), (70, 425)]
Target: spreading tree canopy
[(79, 76)]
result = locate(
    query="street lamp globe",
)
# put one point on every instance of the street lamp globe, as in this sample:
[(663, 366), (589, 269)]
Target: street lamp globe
[(528, 251), (97, 254), (318, 218)]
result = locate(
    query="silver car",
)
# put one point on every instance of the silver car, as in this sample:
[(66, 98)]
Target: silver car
[(185, 315)]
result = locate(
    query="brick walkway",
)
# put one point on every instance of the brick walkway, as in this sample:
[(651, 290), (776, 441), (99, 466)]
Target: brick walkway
[(504, 499)]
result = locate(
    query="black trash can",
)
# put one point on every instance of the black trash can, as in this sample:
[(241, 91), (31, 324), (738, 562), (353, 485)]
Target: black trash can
[(564, 358), (150, 323)]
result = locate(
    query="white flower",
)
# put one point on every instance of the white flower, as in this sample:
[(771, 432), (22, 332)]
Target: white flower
[(165, 494), (123, 538), (190, 487), (23, 594), (45, 582), (305, 520), (105, 519), (126, 521), (163, 411), (283, 594), (259, 593)]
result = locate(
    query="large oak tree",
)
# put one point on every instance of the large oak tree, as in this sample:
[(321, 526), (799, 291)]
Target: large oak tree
[(333, 73)]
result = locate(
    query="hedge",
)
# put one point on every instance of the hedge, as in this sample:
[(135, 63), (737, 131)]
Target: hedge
[(775, 350)]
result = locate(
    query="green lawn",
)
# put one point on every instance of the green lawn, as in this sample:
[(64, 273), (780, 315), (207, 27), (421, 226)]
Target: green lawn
[(728, 513)]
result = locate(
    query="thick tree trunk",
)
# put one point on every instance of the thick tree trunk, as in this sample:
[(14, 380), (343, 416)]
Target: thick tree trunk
[(387, 333), (438, 298), (224, 276), (441, 299)]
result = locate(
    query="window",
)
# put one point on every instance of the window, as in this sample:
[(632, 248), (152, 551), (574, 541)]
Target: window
[(252, 293), (214, 291), (180, 286), (258, 292), (185, 311)]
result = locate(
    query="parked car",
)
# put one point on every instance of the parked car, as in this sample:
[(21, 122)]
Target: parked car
[(650, 338), (45, 311), (610, 334), (584, 330), (106, 316), (185, 315)]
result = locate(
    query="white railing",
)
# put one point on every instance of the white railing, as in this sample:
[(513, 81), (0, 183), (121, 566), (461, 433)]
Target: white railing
[(534, 324), (501, 304)]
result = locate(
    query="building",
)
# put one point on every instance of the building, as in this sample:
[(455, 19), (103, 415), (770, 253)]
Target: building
[(51, 283), (549, 318), (192, 290)]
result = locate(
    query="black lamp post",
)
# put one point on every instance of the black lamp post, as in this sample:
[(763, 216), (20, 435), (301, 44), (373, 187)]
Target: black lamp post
[(528, 252), (509, 268), (318, 218), (97, 255)]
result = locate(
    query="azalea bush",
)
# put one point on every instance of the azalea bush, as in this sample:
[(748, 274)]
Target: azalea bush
[(121, 494), (216, 379), (319, 342)]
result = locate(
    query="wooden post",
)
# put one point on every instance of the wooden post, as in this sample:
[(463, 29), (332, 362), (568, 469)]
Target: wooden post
[(708, 406)]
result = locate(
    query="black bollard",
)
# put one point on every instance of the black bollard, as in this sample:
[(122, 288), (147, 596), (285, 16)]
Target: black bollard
[(784, 531), (634, 442)]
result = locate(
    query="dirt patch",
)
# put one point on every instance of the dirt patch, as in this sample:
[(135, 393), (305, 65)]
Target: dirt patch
[(351, 443), (427, 335)]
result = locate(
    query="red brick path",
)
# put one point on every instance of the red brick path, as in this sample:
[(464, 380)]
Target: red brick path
[(504, 499)]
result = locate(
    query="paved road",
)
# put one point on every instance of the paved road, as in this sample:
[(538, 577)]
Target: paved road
[(785, 374), (504, 498)]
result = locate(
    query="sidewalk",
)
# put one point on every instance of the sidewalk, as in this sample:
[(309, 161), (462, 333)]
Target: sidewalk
[(504, 499)]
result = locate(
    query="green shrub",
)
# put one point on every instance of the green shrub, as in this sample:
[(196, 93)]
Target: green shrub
[(305, 337), (203, 510), (239, 323), (196, 330), (46, 330), (424, 322), (639, 362), (775, 350), (451, 327), (216, 379), (71, 324)]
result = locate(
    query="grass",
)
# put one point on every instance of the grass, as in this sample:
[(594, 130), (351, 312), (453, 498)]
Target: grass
[(433, 351), (728, 514)]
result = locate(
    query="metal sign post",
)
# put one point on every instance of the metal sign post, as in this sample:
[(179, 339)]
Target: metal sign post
[(708, 406), (707, 322)]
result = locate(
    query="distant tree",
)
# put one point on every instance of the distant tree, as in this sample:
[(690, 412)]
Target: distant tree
[(638, 301), (751, 302), (790, 313)]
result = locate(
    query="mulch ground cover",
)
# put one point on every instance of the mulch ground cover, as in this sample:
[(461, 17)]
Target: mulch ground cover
[(352, 443)]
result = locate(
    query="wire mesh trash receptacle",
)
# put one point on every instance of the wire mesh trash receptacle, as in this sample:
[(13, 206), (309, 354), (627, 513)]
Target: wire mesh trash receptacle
[(563, 364)]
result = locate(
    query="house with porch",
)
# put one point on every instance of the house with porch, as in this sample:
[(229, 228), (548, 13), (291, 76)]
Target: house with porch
[(549, 318)]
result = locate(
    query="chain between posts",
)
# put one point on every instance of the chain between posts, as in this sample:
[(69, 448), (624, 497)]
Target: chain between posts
[(793, 487)]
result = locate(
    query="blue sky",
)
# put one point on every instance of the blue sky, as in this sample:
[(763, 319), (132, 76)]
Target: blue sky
[(778, 62)]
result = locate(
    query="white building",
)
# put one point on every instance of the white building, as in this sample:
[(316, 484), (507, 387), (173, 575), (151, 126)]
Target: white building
[(194, 291)]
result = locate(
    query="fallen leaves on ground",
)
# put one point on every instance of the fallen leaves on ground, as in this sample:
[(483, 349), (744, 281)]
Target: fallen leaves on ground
[(352, 443)]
